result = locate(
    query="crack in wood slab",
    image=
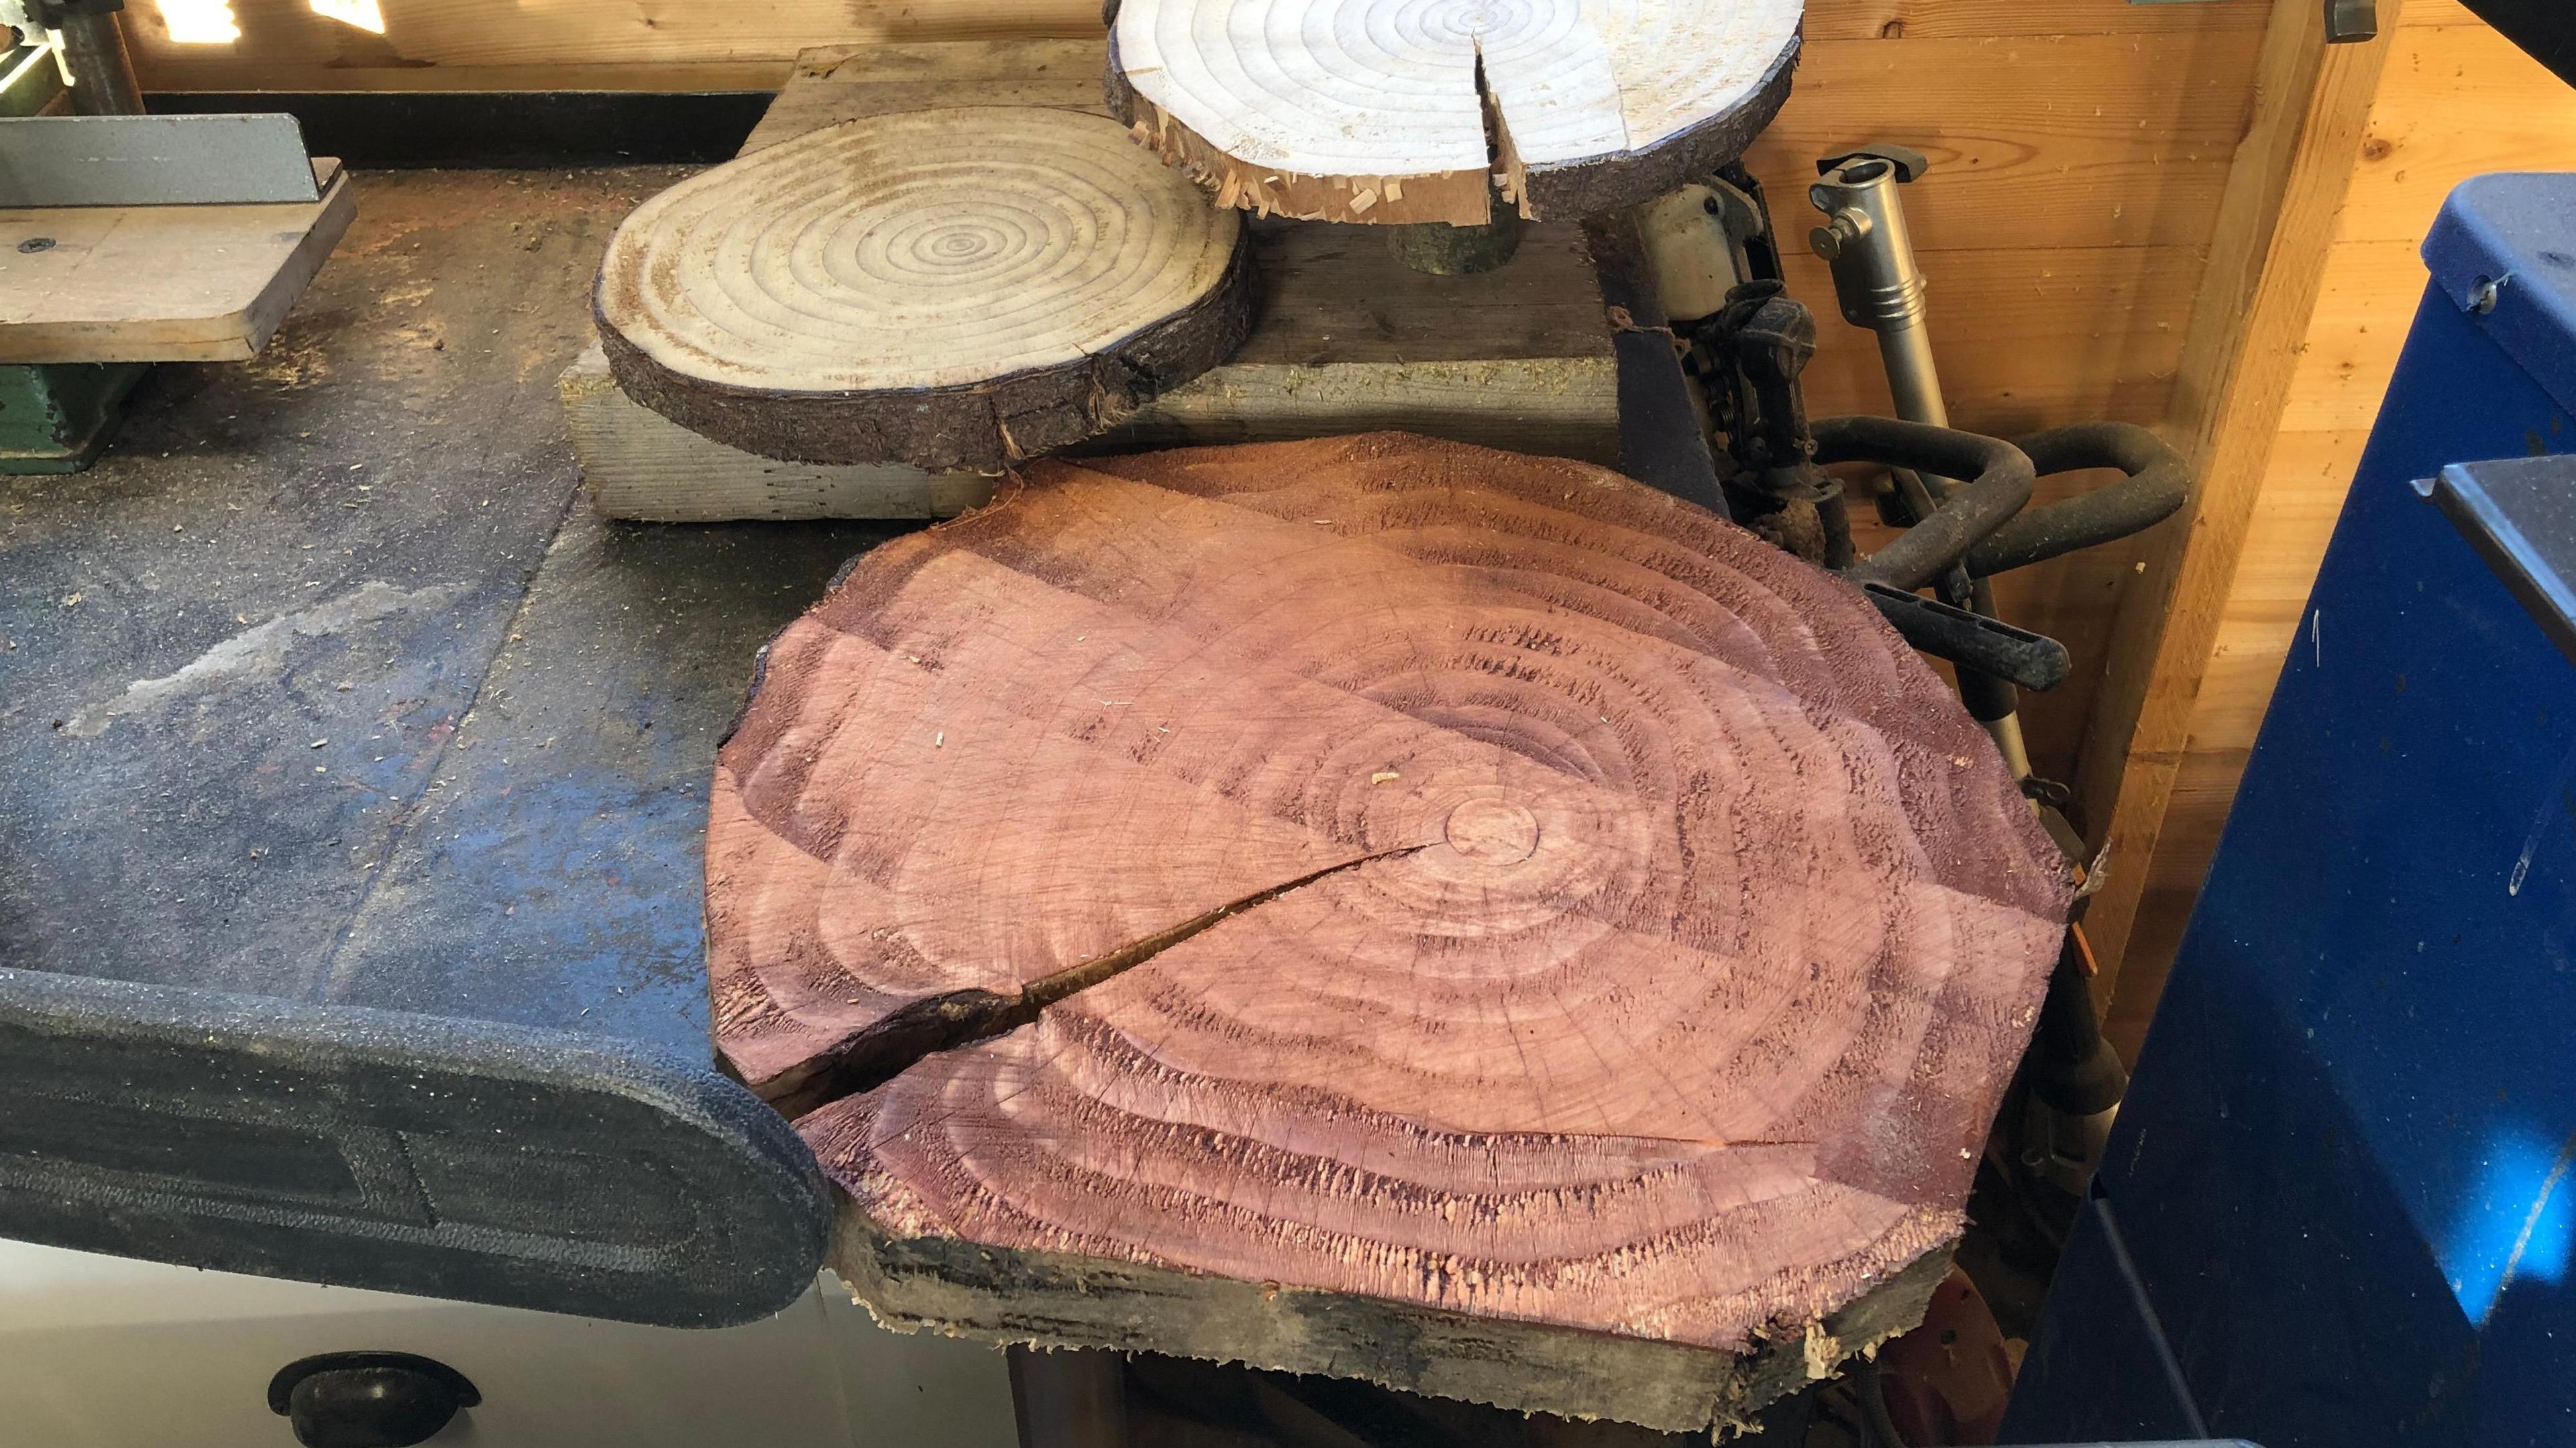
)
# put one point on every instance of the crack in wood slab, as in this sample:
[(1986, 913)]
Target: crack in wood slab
[(951, 1019)]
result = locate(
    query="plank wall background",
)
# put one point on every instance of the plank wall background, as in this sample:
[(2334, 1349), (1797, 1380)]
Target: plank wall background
[(2457, 100), (2080, 152)]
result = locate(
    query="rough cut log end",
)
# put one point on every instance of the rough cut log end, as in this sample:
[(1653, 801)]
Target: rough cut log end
[(1570, 919), (953, 289), (1051, 1300), (1407, 112)]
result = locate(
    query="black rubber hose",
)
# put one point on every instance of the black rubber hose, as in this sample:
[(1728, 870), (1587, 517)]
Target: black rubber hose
[(2000, 487), (2157, 481)]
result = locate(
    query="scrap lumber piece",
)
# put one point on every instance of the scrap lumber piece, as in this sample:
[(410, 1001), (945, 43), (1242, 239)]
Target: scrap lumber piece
[(163, 283), (1378, 907), (636, 463), (952, 288), (1406, 111)]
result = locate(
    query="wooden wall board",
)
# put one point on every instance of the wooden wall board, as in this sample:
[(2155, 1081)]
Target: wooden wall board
[(163, 283), (2025, 338), (2266, 267), (2044, 141), (2455, 100), (2459, 100), (514, 45), (422, 34)]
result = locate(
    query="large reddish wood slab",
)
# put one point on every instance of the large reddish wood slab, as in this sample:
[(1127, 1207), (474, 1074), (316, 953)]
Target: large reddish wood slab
[(1629, 938)]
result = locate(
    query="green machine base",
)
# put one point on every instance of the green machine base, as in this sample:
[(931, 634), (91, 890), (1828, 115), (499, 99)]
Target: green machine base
[(56, 416)]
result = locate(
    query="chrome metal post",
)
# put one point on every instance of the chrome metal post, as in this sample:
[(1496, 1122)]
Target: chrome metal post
[(1880, 287)]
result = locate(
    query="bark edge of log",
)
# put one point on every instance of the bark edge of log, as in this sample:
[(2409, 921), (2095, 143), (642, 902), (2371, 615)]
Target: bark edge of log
[(1006, 1296)]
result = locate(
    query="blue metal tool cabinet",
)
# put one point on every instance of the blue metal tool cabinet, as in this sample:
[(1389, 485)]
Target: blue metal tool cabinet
[(2338, 1210)]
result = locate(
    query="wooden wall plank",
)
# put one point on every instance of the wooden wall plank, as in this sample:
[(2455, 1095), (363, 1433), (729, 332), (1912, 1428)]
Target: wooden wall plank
[(286, 33), (2456, 100), (2050, 142), (2025, 338), (2267, 263), (2427, 14)]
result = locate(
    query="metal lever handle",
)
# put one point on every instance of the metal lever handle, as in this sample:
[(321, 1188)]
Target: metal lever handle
[(1989, 646), (2349, 22)]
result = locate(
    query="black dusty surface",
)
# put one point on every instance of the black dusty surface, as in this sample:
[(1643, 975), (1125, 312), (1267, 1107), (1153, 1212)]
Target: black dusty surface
[(325, 685)]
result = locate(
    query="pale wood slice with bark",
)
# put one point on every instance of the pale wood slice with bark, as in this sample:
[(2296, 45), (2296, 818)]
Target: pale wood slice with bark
[(1401, 111), (955, 288), (1379, 907)]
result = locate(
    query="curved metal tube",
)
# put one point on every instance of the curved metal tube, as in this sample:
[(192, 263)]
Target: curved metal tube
[(2001, 482), (2157, 481)]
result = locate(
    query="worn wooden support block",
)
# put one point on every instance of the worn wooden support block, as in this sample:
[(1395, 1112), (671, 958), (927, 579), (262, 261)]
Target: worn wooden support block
[(1398, 111), (1378, 907), (636, 463)]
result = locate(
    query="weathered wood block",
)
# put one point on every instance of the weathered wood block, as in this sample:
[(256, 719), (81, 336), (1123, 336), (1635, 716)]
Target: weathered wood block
[(639, 464)]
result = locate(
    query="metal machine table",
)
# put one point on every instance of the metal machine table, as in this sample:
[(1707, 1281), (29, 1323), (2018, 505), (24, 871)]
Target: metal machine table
[(350, 829)]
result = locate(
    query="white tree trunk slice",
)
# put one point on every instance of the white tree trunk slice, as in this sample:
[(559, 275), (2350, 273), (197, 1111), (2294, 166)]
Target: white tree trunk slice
[(957, 288), (1713, 930), (1398, 110)]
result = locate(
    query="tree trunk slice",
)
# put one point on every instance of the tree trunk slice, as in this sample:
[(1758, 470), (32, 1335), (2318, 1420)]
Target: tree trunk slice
[(1667, 935), (1396, 111), (959, 288)]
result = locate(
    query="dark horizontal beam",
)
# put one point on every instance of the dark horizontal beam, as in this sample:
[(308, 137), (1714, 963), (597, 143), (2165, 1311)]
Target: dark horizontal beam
[(396, 129)]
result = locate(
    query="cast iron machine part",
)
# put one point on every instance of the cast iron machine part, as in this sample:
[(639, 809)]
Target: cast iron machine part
[(91, 49), (1779, 487)]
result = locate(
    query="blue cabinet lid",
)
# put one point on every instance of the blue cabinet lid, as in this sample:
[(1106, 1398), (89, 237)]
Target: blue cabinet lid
[(2504, 251)]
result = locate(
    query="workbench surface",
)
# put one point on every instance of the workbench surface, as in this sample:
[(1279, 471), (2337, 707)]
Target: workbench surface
[(352, 822), (323, 684)]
